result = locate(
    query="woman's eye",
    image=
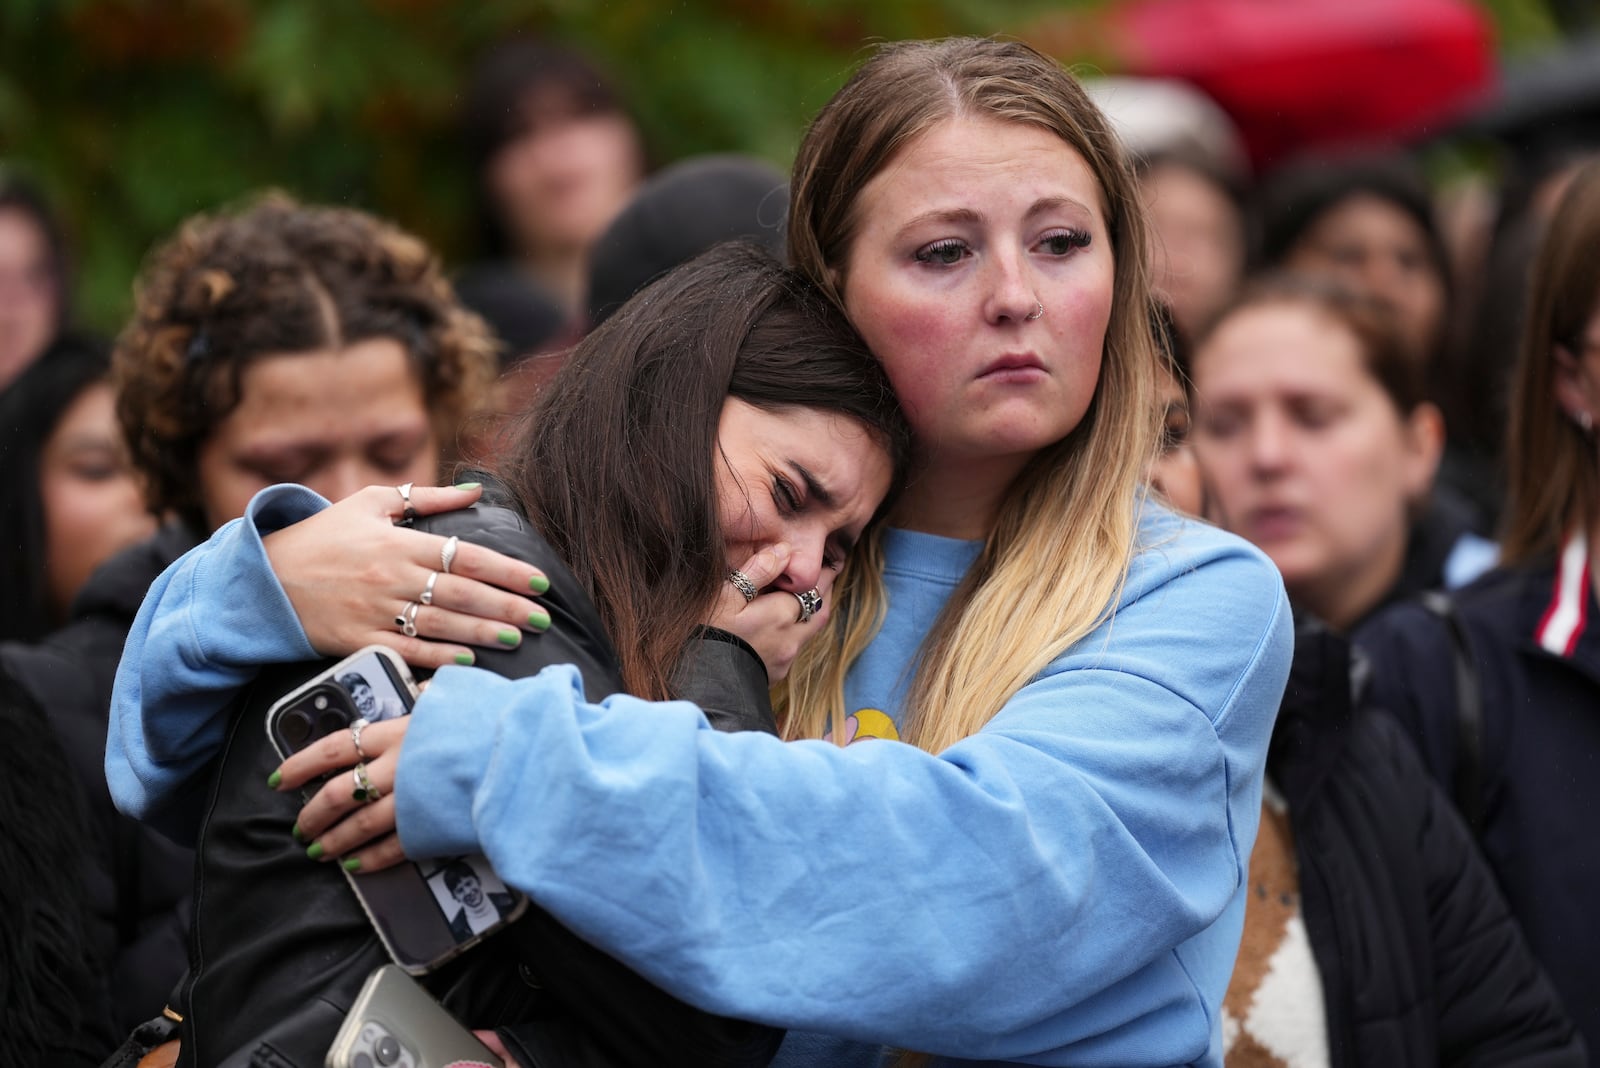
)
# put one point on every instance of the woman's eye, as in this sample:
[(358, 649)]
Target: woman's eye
[(784, 496), (1061, 242), (944, 253)]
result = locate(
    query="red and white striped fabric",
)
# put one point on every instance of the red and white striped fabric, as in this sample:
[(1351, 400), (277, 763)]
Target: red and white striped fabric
[(1568, 613)]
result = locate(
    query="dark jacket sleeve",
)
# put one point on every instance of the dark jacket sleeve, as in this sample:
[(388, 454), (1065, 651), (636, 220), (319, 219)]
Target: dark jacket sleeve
[(1495, 1004), (1409, 653), (609, 1015)]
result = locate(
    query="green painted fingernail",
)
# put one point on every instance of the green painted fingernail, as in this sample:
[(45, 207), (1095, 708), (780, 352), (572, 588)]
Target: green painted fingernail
[(539, 619), (464, 486), (351, 864), (538, 584), (314, 850), (274, 779), (295, 830), (509, 637), (464, 659)]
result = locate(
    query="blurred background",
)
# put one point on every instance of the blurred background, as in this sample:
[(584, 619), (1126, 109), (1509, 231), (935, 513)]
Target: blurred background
[(132, 114)]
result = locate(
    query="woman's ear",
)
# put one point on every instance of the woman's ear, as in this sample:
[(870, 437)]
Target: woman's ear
[(1424, 440), (1571, 393)]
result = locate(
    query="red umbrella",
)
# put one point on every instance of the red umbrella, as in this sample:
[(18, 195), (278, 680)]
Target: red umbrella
[(1301, 74)]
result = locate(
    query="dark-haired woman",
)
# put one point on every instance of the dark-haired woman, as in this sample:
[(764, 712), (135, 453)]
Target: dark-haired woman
[(69, 499), (34, 290), (1526, 636), (728, 416)]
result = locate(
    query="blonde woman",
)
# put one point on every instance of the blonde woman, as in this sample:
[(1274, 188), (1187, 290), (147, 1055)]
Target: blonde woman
[(1052, 870)]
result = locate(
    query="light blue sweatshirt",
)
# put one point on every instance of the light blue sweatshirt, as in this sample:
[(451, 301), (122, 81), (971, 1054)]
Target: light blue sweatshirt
[(1064, 887)]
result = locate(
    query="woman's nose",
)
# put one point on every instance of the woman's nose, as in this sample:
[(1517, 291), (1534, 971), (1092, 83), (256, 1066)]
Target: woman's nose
[(804, 570), (1012, 296)]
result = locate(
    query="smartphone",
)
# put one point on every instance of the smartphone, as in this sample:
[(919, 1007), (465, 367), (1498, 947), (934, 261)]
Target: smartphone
[(394, 1023), (425, 913)]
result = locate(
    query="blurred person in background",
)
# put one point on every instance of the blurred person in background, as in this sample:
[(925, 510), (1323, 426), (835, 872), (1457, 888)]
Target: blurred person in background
[(69, 499), (1316, 443), (556, 156), (1175, 473), (1500, 693), (1369, 222), (1198, 231), (1374, 932), (33, 275), (278, 343)]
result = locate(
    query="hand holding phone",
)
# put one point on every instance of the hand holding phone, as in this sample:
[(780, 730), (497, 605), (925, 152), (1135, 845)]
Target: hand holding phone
[(394, 1023), (425, 914)]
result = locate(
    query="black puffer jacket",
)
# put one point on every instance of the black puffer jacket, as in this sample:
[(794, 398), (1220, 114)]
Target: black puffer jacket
[(1421, 961), (140, 882), (280, 946)]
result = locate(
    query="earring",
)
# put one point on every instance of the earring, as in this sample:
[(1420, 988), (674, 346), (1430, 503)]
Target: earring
[(1038, 310)]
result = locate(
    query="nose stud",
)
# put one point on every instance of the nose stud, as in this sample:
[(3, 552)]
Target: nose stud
[(1038, 310)]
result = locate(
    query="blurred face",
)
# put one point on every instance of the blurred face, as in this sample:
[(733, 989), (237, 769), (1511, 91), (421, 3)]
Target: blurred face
[(469, 891), (959, 240), (1577, 373), (561, 182), (1374, 247), (333, 420), (1305, 455), (29, 303), (93, 508), (1197, 240), (807, 478), (1176, 473)]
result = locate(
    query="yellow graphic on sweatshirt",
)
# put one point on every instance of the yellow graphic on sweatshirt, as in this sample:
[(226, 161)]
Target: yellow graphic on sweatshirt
[(867, 723)]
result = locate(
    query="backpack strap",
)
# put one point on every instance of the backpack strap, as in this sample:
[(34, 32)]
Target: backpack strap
[(1467, 781)]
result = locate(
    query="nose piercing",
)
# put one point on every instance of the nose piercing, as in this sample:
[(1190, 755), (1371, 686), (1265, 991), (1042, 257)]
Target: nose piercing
[(1038, 310)]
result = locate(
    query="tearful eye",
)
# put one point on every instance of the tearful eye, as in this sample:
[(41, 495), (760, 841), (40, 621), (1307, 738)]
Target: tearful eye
[(1063, 242), (944, 253)]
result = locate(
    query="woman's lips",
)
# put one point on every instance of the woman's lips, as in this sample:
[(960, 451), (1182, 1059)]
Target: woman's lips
[(1022, 367), (1274, 524)]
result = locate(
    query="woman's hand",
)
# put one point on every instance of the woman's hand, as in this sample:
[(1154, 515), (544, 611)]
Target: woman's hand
[(351, 574), (771, 622), (334, 824)]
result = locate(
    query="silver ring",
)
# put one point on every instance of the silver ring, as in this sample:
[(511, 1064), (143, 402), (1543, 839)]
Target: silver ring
[(447, 553), (1038, 310), (742, 583), (810, 604), (410, 514), (427, 591), (362, 789), (355, 736), (407, 619)]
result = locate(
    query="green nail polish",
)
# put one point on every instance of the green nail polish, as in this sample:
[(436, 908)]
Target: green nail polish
[(464, 659), (295, 830), (509, 637), (539, 619), (351, 864), (538, 584), (464, 486), (274, 779), (314, 850)]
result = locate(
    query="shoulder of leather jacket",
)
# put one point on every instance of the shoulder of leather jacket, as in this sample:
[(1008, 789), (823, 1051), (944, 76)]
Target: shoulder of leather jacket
[(722, 674)]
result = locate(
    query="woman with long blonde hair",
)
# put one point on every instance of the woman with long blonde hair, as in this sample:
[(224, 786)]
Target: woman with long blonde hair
[(1053, 869)]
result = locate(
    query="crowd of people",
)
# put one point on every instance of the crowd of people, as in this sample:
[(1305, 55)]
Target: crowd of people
[(1014, 591)]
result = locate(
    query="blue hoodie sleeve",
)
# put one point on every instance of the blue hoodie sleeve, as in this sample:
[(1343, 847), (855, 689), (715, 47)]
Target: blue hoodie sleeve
[(1064, 886), (207, 624)]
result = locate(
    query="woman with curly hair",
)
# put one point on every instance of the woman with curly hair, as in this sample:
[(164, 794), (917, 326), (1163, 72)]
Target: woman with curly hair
[(277, 343)]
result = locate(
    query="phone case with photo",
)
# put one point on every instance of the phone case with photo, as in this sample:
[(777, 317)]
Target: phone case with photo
[(394, 1023), (425, 914)]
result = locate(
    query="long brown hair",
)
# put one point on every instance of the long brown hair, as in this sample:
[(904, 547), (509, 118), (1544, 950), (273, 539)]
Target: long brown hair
[(1051, 568), (1554, 473), (615, 464)]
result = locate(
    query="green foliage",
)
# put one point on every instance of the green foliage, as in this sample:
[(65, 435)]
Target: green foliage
[(135, 114)]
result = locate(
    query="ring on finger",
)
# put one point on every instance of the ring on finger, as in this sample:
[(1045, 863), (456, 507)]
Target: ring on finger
[(742, 583), (427, 591), (407, 619), (363, 789), (810, 604), (355, 736), (447, 553), (408, 516)]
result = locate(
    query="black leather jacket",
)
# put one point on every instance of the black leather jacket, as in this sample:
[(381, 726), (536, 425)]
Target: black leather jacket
[(280, 947)]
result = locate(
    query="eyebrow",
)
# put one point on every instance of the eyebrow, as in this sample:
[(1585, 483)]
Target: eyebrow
[(814, 488), (967, 215)]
